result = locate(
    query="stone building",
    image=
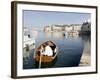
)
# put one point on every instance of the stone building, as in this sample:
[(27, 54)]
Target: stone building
[(86, 28)]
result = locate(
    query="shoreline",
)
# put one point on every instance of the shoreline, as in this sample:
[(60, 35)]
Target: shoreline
[(85, 60)]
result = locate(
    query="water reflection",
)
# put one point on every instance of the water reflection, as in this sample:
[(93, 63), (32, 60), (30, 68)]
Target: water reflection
[(59, 35), (69, 54), (47, 64)]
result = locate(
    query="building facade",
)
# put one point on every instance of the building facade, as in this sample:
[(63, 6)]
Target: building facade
[(67, 28), (86, 28)]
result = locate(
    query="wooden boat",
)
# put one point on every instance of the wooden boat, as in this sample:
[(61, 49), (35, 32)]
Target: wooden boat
[(44, 58)]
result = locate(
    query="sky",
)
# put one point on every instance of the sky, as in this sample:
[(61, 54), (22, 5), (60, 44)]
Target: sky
[(40, 19)]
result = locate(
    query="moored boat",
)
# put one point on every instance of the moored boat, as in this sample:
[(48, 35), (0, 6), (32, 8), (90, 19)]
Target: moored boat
[(46, 56), (28, 43)]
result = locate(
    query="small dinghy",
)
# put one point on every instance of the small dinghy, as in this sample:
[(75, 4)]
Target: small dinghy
[(46, 52)]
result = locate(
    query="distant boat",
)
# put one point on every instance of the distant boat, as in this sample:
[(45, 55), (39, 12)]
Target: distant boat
[(28, 43), (39, 57)]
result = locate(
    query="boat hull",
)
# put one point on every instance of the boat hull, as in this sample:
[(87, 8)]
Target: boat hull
[(44, 58)]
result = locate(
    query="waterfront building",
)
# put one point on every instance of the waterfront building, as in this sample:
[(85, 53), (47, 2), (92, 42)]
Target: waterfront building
[(57, 28), (86, 28), (77, 27), (47, 29), (25, 29), (68, 28)]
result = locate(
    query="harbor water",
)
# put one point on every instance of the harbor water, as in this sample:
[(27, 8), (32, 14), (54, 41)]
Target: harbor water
[(70, 49)]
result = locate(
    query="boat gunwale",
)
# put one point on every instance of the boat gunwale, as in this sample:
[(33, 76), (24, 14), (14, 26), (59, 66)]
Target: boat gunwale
[(53, 57)]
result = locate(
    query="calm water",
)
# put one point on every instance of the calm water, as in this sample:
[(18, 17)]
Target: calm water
[(69, 52)]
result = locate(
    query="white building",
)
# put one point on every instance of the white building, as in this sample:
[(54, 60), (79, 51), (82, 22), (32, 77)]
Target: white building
[(68, 28), (57, 28), (77, 27), (47, 28)]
